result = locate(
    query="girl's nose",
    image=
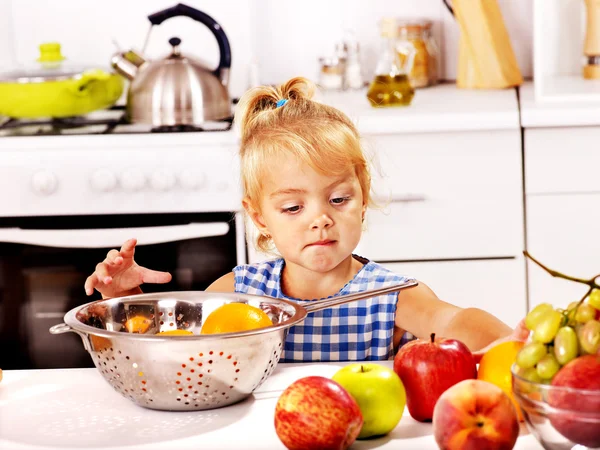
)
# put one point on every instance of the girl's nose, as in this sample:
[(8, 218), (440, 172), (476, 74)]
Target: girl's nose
[(321, 221)]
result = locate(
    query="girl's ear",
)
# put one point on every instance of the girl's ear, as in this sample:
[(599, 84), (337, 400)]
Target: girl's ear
[(256, 216)]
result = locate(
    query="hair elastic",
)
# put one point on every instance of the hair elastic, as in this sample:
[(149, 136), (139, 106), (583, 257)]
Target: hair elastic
[(281, 102)]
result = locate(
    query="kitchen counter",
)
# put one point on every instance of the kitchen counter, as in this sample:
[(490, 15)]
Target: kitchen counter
[(555, 114), (435, 109), (76, 408)]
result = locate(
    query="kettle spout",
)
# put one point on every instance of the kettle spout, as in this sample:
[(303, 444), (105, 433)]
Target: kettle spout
[(127, 64)]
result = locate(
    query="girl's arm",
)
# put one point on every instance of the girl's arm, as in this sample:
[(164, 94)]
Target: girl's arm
[(224, 284), (421, 312)]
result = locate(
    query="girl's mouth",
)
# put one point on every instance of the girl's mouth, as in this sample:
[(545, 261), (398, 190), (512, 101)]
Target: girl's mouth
[(323, 243)]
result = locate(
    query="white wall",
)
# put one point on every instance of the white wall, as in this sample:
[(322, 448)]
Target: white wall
[(284, 37)]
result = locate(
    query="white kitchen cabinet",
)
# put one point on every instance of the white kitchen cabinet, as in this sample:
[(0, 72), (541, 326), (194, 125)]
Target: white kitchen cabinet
[(562, 233), (496, 286), (446, 196), (563, 210), (562, 160)]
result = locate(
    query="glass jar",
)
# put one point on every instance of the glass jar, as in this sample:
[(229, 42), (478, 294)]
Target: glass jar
[(391, 85), (424, 71), (332, 73)]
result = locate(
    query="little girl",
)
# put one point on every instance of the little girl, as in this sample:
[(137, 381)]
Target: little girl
[(306, 186)]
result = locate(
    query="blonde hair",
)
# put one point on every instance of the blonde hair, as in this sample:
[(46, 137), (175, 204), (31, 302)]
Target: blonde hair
[(315, 133)]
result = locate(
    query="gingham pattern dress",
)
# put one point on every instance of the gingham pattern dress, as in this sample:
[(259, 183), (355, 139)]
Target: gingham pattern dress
[(357, 331)]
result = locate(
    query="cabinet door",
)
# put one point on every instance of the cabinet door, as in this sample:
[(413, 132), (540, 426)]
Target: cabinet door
[(562, 233), (497, 287), (562, 160), (446, 196)]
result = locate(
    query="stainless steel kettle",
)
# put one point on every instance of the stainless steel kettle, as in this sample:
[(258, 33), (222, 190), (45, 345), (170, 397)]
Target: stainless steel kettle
[(177, 90)]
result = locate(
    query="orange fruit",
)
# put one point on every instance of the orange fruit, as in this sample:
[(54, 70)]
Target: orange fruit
[(233, 317), (175, 333), (138, 324), (495, 365)]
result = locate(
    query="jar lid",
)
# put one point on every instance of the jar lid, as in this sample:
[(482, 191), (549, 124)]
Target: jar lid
[(331, 62), (414, 25), (388, 27)]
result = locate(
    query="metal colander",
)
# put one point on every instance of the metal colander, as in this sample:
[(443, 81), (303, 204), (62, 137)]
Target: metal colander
[(195, 372)]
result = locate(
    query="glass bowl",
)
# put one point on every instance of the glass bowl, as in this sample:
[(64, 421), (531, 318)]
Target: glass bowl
[(560, 418)]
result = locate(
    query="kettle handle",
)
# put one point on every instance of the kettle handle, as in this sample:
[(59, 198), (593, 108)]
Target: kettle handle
[(448, 6), (183, 10)]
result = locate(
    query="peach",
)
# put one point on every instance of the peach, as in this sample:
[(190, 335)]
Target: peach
[(475, 414)]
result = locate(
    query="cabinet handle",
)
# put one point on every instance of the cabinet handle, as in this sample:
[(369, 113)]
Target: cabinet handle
[(401, 198)]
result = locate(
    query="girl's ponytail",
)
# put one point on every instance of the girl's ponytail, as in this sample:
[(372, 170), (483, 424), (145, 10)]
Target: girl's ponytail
[(259, 106)]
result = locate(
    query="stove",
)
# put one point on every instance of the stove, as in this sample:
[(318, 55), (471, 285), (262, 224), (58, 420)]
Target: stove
[(109, 121), (73, 189)]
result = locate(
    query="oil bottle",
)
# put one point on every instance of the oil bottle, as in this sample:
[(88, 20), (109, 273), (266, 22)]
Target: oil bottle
[(391, 85)]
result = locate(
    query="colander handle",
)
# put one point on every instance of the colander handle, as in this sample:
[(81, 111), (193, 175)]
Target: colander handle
[(64, 328), (61, 328), (335, 301)]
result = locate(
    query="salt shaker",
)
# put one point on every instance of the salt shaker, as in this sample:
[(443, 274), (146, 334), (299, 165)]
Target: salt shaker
[(354, 79)]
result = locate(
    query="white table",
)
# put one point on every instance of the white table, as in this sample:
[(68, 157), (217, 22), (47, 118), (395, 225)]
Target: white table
[(76, 408)]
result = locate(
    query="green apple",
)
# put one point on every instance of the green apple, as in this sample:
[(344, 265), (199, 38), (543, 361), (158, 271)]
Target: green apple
[(379, 393)]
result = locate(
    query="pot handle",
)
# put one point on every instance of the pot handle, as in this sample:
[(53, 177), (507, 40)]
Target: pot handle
[(448, 6), (79, 87), (183, 10)]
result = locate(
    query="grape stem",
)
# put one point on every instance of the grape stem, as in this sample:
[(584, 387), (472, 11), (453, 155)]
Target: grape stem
[(568, 315), (591, 282)]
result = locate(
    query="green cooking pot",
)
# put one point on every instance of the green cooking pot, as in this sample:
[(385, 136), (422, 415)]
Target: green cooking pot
[(53, 89)]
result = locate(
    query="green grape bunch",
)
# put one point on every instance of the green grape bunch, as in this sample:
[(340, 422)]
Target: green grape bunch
[(557, 336)]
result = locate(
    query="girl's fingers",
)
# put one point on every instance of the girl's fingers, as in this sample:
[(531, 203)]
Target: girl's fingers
[(154, 276), (128, 248), (114, 257), (102, 273), (521, 332), (90, 283)]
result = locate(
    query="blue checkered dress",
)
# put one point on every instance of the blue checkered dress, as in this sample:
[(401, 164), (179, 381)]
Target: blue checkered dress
[(357, 331)]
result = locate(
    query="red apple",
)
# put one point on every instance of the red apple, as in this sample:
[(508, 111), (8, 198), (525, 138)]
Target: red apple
[(576, 421), (429, 367), (317, 413), (475, 414)]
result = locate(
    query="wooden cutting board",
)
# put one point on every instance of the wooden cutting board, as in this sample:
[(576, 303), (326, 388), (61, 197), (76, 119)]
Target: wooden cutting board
[(486, 58)]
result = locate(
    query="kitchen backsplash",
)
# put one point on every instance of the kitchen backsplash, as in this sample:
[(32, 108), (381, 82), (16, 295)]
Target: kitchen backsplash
[(279, 37)]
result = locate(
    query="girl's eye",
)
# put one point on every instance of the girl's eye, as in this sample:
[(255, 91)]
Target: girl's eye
[(292, 209), (339, 200)]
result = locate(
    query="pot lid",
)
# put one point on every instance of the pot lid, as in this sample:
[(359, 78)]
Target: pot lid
[(50, 66)]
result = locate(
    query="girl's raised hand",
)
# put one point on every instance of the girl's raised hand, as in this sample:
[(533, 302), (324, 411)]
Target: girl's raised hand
[(119, 275), (520, 334)]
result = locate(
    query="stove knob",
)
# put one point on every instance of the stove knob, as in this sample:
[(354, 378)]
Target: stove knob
[(192, 180), (133, 180), (44, 182), (163, 180), (104, 180)]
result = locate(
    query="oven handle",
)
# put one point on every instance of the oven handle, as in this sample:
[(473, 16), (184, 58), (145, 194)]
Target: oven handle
[(112, 237)]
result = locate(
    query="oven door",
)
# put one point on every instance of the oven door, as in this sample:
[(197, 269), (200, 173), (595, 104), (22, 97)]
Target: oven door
[(44, 263)]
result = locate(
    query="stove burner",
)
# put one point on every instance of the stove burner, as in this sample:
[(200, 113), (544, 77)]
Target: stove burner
[(223, 125), (54, 126), (114, 123)]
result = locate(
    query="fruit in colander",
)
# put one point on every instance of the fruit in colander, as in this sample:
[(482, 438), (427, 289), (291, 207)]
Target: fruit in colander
[(234, 317), (138, 324), (175, 333)]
